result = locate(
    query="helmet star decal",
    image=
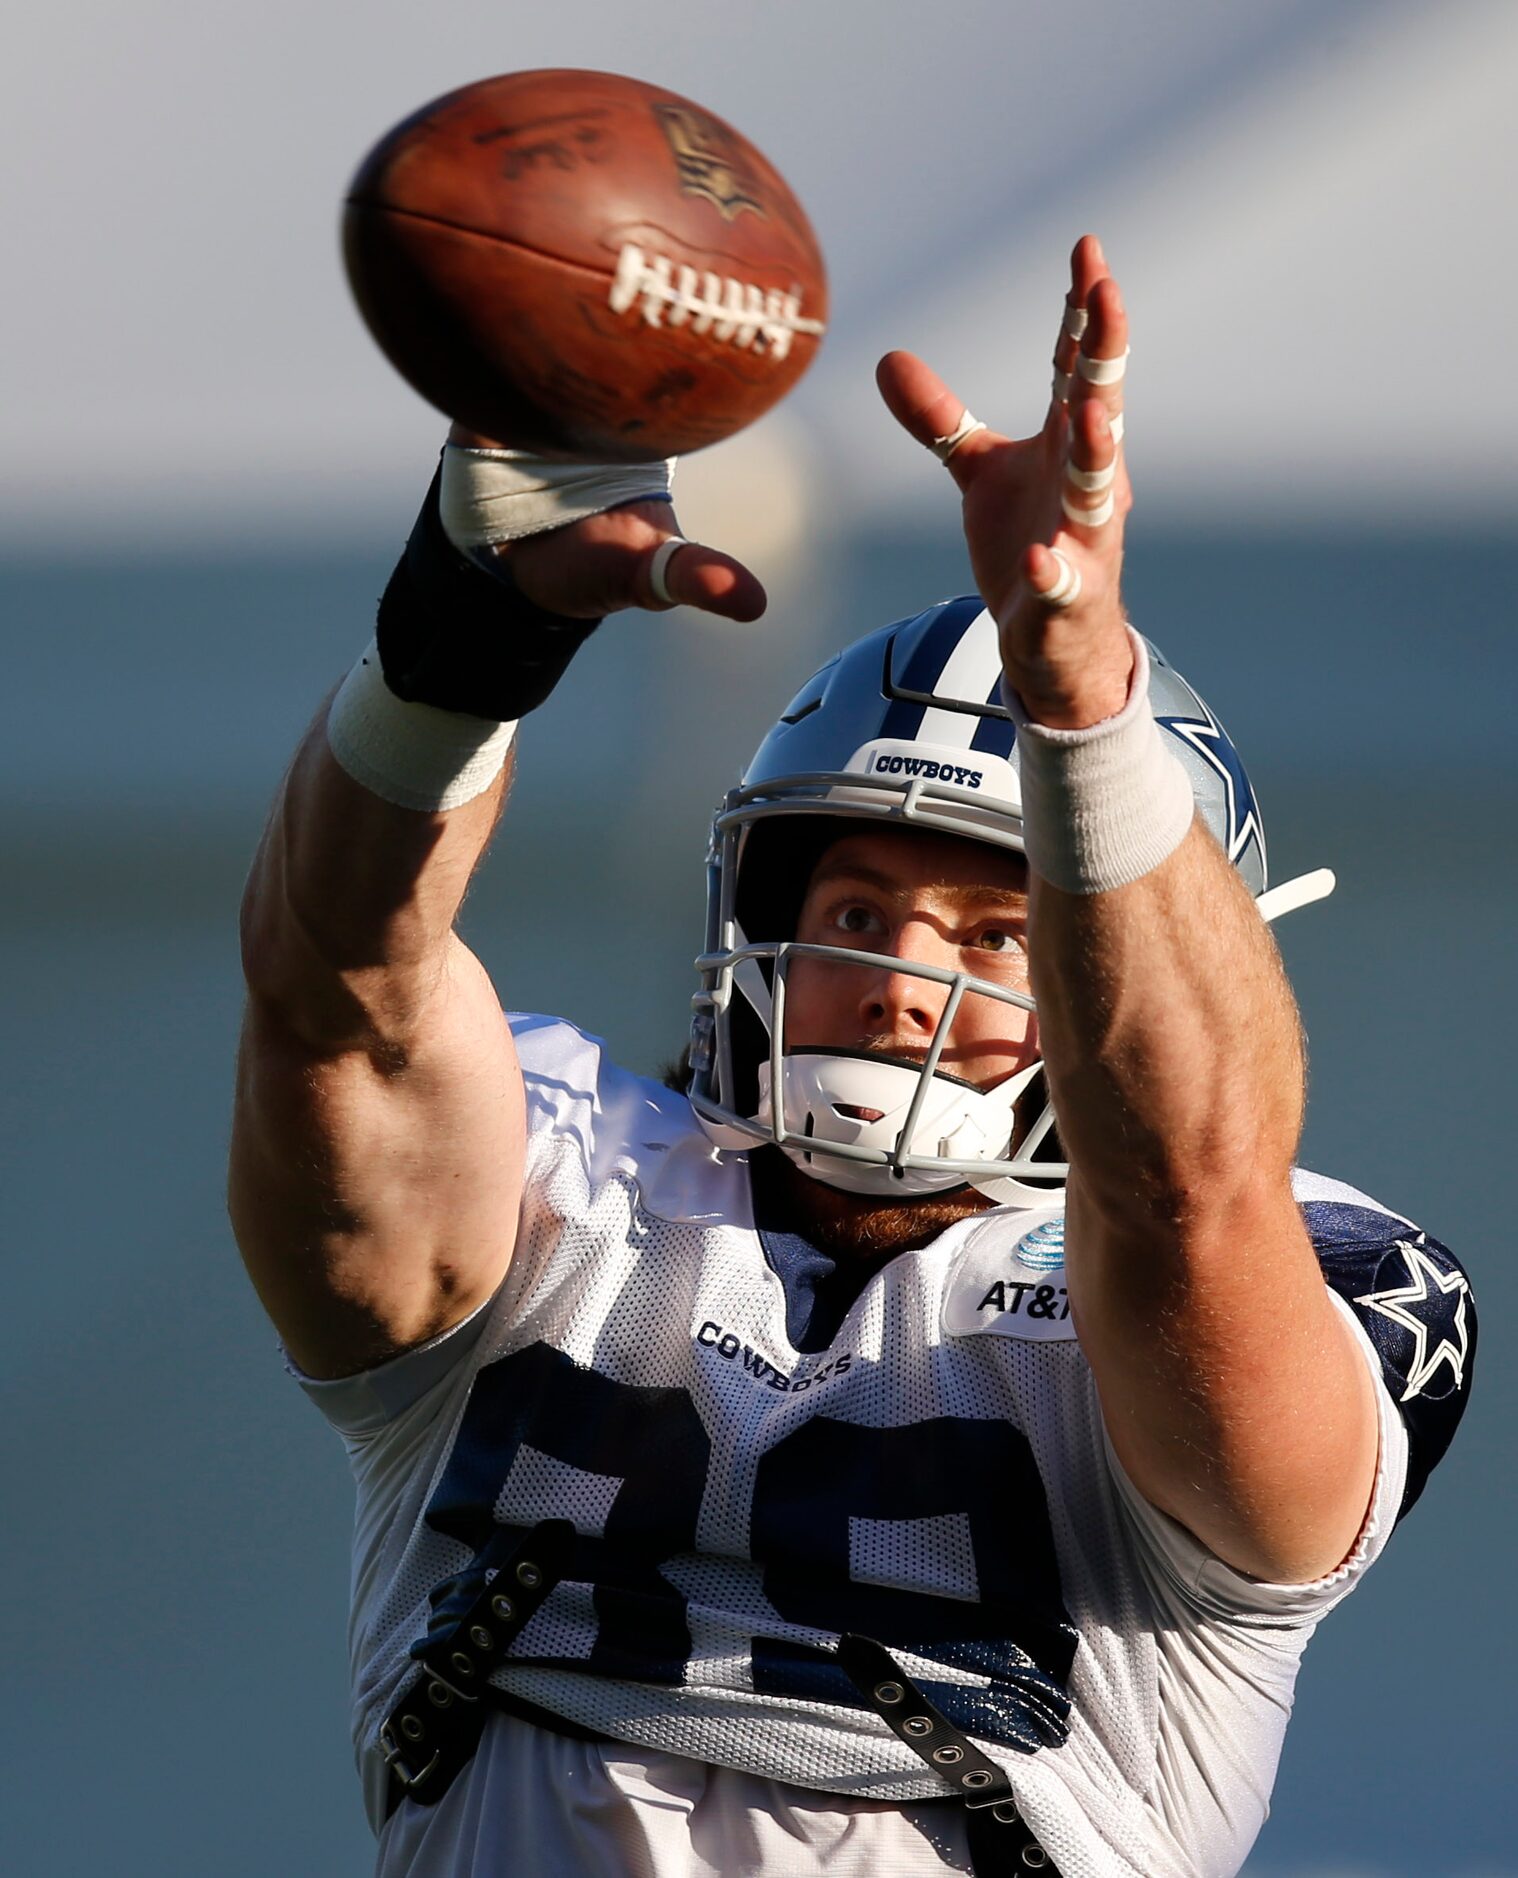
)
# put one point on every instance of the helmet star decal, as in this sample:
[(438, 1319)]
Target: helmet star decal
[(1206, 736), (1444, 1296)]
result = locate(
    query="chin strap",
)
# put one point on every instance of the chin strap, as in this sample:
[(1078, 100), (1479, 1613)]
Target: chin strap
[(1003, 1190)]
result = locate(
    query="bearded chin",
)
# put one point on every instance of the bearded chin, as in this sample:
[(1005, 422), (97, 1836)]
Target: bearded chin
[(852, 1225)]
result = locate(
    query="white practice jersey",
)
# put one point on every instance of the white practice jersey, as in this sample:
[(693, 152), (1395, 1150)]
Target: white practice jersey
[(755, 1462)]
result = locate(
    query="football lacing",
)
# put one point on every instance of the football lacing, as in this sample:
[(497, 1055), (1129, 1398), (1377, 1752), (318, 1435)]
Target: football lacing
[(733, 311)]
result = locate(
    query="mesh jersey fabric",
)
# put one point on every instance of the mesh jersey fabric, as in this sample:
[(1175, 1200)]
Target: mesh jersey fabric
[(538, 1802), (949, 1491)]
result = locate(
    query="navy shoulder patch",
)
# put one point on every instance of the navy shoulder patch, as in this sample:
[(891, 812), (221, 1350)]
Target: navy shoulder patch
[(1414, 1303)]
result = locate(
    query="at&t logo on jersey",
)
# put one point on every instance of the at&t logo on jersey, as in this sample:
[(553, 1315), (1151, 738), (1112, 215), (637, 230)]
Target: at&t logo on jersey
[(1044, 1246), (1022, 1297), (1009, 1281)]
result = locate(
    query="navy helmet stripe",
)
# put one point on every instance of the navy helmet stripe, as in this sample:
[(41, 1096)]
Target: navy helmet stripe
[(924, 665), (903, 719), (994, 736)]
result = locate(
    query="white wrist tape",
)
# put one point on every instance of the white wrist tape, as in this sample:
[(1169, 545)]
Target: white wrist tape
[(1105, 805), (503, 495), (413, 755)]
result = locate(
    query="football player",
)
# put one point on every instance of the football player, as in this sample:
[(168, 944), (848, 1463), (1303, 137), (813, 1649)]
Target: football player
[(927, 1440)]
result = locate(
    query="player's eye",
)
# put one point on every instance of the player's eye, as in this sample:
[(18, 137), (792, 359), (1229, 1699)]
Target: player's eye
[(998, 939), (856, 919)]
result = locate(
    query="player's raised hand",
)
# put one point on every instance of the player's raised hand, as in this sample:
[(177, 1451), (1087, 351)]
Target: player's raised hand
[(619, 559), (1043, 515), (628, 555)]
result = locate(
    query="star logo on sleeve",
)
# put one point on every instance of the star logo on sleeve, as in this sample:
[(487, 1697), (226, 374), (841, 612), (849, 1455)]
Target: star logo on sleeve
[(1432, 1307)]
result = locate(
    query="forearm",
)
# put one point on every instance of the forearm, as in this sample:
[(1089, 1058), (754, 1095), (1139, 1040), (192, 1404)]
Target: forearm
[(349, 912), (1175, 1065), (1232, 1391), (1171, 1038), (348, 916)]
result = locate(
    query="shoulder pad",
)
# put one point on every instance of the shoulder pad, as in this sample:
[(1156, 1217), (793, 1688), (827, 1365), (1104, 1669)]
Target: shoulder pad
[(1414, 1303)]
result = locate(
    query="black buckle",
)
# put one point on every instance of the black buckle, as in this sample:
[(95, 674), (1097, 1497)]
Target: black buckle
[(439, 1719)]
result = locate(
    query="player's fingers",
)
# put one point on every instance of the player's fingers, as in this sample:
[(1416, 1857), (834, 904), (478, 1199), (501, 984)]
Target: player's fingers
[(1102, 363), (1073, 318), (1092, 471), (678, 572), (1087, 267), (928, 410), (630, 556), (1066, 350), (1052, 577)]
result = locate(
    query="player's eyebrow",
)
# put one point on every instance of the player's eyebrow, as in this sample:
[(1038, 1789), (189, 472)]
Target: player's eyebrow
[(830, 872)]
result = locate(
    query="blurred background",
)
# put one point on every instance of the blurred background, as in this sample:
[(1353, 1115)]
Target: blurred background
[(206, 472)]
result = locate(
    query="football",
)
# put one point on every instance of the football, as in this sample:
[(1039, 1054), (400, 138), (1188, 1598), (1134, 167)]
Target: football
[(576, 263)]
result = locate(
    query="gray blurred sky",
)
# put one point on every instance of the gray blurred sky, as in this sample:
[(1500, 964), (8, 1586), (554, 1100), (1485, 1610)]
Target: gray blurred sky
[(1301, 199)]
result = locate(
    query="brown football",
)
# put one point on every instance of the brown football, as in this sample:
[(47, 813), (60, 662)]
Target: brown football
[(582, 264)]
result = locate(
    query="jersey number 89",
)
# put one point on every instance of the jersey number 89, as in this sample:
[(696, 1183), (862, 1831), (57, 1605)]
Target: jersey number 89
[(822, 1492)]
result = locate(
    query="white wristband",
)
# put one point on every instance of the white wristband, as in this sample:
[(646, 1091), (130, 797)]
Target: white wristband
[(1105, 805), (414, 755), (504, 495)]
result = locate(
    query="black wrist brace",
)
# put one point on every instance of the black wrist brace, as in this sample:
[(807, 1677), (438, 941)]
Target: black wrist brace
[(453, 635)]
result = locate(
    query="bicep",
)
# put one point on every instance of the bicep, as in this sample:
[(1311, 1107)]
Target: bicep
[(375, 1201)]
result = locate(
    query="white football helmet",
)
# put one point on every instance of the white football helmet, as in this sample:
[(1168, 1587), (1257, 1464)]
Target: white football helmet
[(904, 726)]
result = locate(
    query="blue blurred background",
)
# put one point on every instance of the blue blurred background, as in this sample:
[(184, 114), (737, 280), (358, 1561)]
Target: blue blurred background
[(206, 473)]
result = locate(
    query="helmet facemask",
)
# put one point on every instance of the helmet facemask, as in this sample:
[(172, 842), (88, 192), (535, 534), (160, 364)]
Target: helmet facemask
[(898, 1126)]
